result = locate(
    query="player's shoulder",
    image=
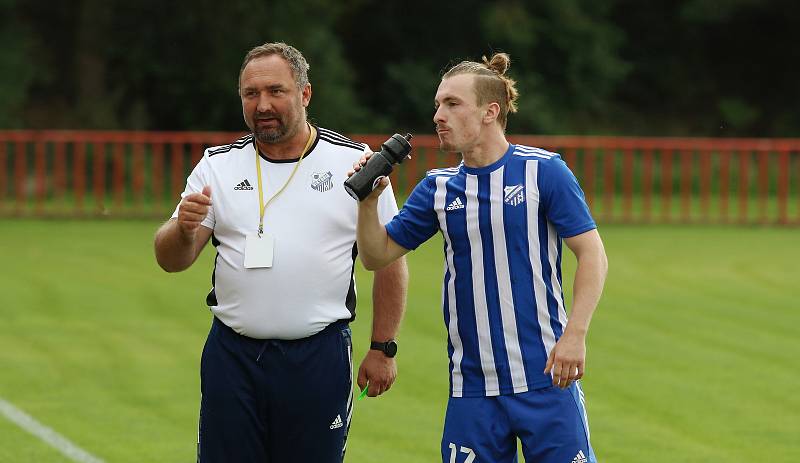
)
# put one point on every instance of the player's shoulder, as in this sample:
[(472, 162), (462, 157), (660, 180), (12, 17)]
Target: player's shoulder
[(429, 181), (534, 153), (237, 145), (338, 141), (443, 172)]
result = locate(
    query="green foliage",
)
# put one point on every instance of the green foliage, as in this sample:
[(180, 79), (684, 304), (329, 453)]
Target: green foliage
[(737, 113), (16, 68), (697, 67), (700, 63), (564, 57)]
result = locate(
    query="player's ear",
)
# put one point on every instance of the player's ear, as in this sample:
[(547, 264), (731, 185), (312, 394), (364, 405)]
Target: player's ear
[(491, 113)]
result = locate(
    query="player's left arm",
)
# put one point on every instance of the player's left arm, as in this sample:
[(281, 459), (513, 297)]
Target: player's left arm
[(567, 360), (388, 301)]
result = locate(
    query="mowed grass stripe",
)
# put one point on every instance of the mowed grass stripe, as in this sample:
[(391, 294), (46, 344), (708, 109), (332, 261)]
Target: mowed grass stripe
[(690, 356)]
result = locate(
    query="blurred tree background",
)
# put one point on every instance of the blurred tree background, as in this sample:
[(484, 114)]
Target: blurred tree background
[(623, 67)]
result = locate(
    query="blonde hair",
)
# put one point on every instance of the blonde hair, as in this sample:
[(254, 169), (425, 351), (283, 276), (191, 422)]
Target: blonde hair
[(491, 83)]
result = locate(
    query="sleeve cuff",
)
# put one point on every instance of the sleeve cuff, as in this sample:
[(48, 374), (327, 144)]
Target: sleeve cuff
[(577, 230), (395, 236)]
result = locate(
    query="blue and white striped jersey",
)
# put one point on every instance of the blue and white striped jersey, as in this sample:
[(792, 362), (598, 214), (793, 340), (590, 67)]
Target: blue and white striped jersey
[(502, 299)]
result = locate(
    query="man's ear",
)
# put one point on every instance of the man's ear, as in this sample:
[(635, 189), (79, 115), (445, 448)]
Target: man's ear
[(491, 113), (306, 97)]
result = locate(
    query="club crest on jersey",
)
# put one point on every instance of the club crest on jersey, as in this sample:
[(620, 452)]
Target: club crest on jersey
[(322, 181), (513, 195)]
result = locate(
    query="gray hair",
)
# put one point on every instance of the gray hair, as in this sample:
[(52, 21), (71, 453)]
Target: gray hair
[(291, 54)]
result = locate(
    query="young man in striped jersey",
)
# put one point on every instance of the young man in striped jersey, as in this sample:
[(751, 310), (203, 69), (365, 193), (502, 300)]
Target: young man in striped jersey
[(515, 360)]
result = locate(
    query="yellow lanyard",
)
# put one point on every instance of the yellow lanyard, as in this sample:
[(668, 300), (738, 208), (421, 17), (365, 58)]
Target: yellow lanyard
[(263, 207)]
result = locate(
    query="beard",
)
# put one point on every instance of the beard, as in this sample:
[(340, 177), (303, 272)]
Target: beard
[(447, 145), (286, 127), (270, 134)]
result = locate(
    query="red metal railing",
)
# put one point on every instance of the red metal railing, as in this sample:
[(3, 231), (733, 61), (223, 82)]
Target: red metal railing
[(626, 179)]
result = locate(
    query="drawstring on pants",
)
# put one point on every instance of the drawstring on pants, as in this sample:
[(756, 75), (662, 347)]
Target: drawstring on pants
[(273, 342)]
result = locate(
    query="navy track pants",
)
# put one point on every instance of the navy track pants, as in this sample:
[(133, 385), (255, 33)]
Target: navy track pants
[(275, 401)]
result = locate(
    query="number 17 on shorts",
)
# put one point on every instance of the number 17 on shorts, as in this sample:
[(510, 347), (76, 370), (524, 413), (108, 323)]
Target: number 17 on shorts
[(455, 450)]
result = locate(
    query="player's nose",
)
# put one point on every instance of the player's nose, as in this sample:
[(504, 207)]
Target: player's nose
[(438, 116)]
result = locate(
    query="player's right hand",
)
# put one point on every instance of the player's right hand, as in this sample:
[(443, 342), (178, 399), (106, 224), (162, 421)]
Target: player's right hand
[(192, 210), (382, 184)]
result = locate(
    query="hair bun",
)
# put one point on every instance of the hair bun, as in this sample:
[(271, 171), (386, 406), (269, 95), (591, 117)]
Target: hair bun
[(499, 63)]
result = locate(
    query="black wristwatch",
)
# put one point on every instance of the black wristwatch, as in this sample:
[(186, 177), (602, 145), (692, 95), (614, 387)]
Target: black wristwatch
[(389, 348)]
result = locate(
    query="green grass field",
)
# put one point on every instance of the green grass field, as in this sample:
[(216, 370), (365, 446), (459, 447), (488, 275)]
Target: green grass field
[(692, 354)]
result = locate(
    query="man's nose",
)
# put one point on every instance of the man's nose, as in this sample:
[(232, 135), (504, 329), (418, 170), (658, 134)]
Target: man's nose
[(437, 116), (264, 103)]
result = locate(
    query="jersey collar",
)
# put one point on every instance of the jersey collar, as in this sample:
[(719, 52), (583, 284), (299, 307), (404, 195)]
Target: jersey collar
[(284, 161), (491, 167)]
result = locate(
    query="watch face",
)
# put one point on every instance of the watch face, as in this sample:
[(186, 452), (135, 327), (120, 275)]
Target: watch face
[(391, 348)]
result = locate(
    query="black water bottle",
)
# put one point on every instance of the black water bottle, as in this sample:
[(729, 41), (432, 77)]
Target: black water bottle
[(393, 151)]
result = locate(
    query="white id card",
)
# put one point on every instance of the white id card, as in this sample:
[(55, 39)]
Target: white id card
[(258, 251)]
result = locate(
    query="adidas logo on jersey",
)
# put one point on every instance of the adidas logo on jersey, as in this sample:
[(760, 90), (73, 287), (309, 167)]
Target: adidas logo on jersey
[(513, 195), (456, 204), (580, 457), (337, 423), (245, 185)]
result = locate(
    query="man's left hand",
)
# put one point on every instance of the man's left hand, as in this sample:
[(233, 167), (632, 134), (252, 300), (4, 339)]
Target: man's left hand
[(377, 370), (567, 360)]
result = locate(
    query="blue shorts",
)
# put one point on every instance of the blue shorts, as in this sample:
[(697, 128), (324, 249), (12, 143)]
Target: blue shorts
[(551, 423), (273, 401)]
